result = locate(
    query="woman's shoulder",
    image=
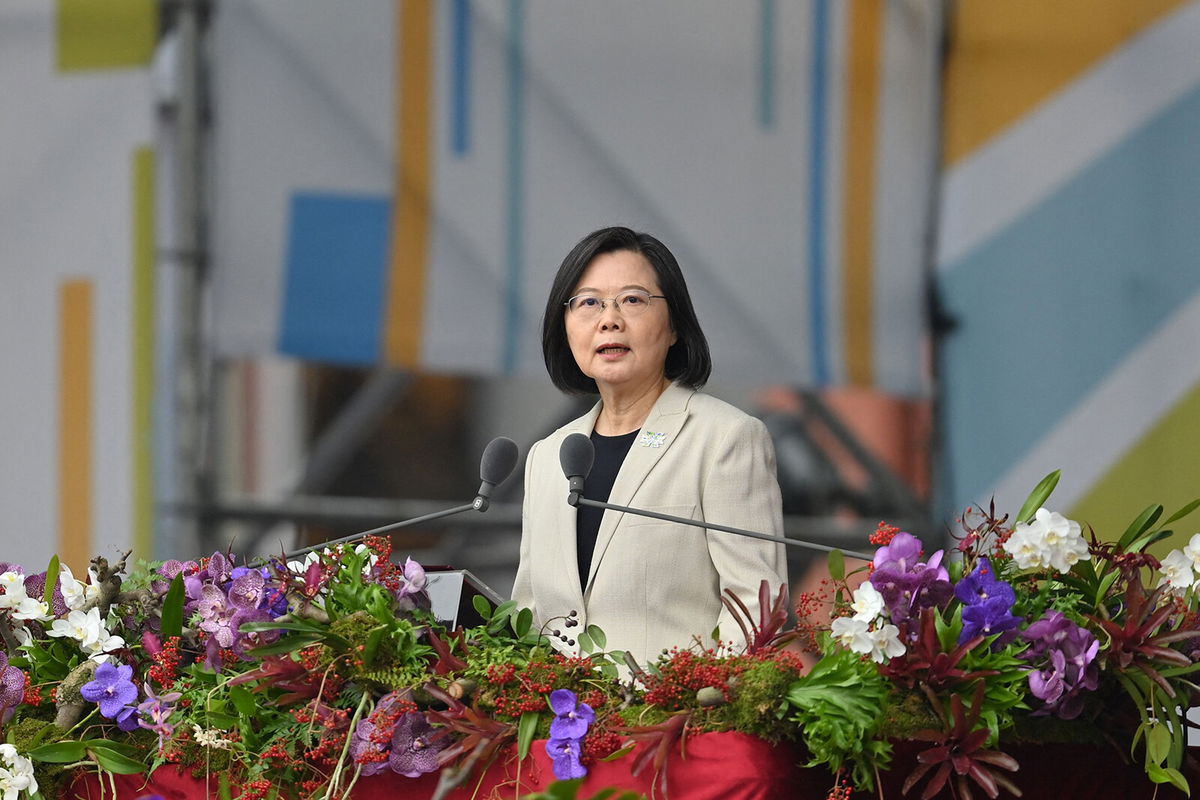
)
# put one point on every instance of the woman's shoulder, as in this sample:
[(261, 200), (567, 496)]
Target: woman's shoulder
[(707, 407)]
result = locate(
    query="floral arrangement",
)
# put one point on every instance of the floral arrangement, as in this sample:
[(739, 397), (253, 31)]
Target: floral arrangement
[(301, 678)]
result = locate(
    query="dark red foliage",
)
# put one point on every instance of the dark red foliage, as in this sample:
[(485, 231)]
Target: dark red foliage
[(958, 753)]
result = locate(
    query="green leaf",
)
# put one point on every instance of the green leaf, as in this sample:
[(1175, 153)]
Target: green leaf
[(1158, 743), (504, 610), (371, 648), (526, 728), (586, 645), (172, 609), (1183, 512), (624, 751), (1139, 526), (112, 761), (285, 645), (243, 701), (523, 622), (837, 565), (51, 579), (597, 636), (59, 752), (1037, 498), (482, 607)]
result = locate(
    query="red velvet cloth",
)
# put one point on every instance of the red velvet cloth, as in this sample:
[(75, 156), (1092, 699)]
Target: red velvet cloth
[(718, 766)]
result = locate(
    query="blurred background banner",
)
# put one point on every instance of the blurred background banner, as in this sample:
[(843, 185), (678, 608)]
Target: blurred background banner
[(272, 265), (396, 182), (1069, 255), (77, 304)]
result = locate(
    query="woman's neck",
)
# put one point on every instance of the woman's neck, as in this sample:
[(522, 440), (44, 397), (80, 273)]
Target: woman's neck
[(625, 411)]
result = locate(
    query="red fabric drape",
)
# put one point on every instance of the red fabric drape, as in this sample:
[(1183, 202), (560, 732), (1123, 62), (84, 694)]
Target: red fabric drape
[(718, 766)]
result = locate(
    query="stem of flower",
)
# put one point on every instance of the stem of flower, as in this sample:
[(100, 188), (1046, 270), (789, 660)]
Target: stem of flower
[(341, 762)]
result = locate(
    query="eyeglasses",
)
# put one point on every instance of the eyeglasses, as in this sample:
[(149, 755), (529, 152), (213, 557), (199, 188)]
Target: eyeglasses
[(630, 303)]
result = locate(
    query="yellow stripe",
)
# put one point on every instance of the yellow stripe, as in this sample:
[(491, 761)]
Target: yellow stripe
[(143, 352), (858, 214), (410, 215), (110, 35), (75, 424), (1160, 468), (1007, 57)]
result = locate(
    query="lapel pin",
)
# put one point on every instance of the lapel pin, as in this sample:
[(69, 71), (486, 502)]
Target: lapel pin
[(652, 439)]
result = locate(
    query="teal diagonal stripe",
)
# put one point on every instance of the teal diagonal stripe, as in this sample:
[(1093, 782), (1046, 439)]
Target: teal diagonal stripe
[(1054, 302)]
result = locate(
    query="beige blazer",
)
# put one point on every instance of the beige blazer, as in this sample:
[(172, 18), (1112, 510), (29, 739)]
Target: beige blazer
[(655, 585)]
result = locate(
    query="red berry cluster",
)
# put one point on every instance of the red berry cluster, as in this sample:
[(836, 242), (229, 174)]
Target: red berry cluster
[(600, 744), (255, 789), (165, 667), (840, 791), (517, 692), (33, 694), (687, 671), (883, 535)]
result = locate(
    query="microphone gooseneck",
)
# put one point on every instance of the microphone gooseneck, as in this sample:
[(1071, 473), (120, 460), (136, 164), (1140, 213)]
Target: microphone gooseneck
[(575, 456), (497, 463)]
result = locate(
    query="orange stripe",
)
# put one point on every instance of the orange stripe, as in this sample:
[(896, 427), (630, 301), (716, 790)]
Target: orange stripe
[(410, 217), (75, 424), (1008, 57), (858, 213)]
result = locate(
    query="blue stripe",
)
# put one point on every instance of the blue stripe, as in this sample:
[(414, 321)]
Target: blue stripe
[(335, 281), (460, 78), (1052, 304), (513, 250), (766, 63), (819, 112)]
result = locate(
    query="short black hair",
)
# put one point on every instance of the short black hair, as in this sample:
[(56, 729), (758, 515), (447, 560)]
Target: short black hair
[(688, 360)]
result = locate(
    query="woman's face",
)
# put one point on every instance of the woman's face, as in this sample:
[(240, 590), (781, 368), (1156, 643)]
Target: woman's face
[(617, 351)]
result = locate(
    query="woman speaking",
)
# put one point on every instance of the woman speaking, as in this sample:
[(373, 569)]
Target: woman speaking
[(619, 322)]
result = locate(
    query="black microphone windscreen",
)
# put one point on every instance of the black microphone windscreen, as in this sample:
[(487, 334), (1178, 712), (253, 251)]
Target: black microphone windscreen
[(498, 460), (575, 455)]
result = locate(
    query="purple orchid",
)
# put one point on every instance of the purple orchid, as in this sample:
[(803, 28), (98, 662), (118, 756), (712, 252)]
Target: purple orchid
[(987, 606), (217, 615), (112, 689), (906, 583), (989, 617), (1065, 655), (565, 755), (412, 593), (981, 584), (571, 717), (414, 749), (157, 709), (371, 739), (12, 686)]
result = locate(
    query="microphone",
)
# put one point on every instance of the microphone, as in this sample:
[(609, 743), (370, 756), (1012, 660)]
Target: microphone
[(499, 459), (495, 465), (576, 454)]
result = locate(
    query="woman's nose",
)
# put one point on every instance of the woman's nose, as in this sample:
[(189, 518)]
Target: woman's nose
[(610, 316)]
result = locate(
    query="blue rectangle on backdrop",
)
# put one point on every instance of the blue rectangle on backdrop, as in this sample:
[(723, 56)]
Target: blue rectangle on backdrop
[(335, 283)]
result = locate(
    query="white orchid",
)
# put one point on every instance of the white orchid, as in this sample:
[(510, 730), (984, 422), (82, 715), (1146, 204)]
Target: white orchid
[(1051, 540), (82, 626), (13, 584), (886, 644), (1192, 551), (16, 774), (74, 591), (89, 631), (1177, 571), (867, 602), (853, 634)]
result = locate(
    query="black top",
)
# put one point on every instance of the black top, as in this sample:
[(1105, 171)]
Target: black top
[(610, 455)]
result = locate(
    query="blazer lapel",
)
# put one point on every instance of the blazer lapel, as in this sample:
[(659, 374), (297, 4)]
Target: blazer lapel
[(564, 516), (657, 436)]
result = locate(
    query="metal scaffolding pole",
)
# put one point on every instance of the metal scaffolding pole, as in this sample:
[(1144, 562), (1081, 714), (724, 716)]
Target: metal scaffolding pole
[(190, 258)]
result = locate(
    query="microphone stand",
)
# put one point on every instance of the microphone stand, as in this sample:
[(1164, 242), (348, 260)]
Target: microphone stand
[(576, 499), (479, 503)]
